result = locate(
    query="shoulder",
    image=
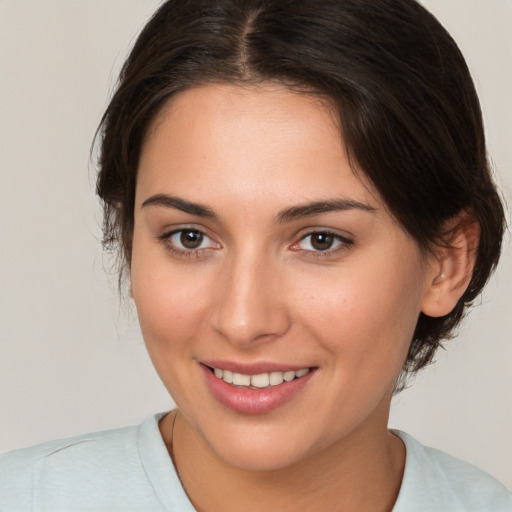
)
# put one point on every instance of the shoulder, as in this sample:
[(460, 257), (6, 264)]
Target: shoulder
[(82, 466), (434, 480)]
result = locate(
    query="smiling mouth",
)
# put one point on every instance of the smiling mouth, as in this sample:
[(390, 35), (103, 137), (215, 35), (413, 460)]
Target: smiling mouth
[(259, 381)]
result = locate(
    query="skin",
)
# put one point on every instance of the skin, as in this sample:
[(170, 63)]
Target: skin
[(257, 290)]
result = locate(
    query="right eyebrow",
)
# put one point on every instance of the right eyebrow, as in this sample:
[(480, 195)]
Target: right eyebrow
[(180, 204)]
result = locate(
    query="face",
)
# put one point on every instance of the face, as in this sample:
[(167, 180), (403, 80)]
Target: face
[(276, 295)]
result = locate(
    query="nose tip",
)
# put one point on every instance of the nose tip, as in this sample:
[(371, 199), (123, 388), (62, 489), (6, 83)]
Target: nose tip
[(249, 309), (243, 333)]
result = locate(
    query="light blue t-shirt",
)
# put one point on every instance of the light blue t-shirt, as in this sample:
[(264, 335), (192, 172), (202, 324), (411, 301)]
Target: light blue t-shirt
[(129, 470)]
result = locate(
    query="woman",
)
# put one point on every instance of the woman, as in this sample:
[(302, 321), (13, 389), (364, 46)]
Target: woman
[(301, 196)]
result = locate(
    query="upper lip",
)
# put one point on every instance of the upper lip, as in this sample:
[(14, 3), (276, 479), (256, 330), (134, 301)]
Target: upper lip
[(254, 368)]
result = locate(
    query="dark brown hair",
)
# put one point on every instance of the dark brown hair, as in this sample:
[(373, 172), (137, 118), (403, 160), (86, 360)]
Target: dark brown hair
[(406, 102)]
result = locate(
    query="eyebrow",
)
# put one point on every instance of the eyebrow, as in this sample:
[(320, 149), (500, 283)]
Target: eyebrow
[(180, 204), (318, 207), (286, 215)]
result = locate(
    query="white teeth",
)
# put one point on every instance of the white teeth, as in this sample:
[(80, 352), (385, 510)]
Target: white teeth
[(239, 379), (276, 378), (262, 380)]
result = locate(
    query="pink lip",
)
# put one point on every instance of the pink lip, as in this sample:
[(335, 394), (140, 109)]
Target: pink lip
[(251, 368), (253, 401)]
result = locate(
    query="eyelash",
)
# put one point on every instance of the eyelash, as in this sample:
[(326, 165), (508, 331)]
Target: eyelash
[(166, 238), (344, 244)]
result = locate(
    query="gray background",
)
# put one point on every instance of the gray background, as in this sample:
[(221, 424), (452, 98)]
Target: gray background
[(71, 356)]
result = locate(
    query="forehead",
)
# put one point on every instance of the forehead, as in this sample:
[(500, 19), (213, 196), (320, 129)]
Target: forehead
[(248, 141)]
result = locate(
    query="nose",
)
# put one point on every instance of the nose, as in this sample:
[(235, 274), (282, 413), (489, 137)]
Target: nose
[(251, 303)]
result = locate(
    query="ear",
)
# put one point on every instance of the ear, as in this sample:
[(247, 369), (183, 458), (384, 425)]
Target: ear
[(451, 265)]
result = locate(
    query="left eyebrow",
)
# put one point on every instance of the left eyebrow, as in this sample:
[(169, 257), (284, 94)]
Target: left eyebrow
[(318, 207)]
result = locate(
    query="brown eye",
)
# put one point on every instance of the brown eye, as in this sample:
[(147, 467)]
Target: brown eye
[(322, 241), (189, 242), (191, 239)]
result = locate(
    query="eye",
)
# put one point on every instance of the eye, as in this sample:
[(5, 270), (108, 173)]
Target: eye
[(188, 240), (322, 241)]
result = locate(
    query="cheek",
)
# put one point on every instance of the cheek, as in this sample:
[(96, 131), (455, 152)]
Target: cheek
[(170, 301), (367, 315)]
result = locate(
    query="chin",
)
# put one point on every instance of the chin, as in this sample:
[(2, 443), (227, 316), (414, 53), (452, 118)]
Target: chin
[(254, 457), (261, 448)]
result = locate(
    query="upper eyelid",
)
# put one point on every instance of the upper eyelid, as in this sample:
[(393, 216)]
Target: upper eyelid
[(345, 235), (344, 243), (171, 230), (345, 238), (322, 232), (339, 237), (166, 240)]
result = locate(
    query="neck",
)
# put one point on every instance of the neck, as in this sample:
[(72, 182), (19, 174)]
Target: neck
[(363, 472)]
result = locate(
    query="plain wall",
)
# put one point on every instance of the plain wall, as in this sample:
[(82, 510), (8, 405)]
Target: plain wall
[(71, 356)]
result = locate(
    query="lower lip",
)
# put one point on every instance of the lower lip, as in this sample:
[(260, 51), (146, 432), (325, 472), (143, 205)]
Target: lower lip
[(254, 401)]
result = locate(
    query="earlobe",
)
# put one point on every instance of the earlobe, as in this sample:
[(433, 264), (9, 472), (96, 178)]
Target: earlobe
[(451, 265)]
